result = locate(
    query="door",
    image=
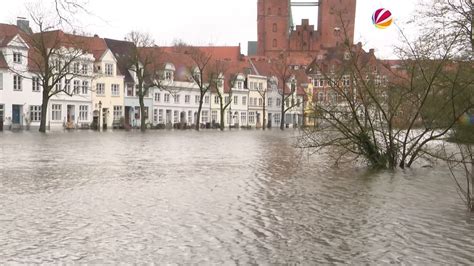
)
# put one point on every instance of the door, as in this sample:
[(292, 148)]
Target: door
[(16, 114), (269, 125)]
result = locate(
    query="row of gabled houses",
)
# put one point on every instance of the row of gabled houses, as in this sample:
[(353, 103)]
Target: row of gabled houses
[(104, 93), (102, 89)]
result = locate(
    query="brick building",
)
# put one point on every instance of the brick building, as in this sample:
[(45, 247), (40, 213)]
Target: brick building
[(277, 32)]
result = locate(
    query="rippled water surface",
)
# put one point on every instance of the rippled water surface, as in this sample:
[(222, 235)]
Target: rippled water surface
[(243, 197)]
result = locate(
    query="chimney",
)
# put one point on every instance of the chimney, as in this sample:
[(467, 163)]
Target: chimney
[(371, 51), (24, 25), (96, 36)]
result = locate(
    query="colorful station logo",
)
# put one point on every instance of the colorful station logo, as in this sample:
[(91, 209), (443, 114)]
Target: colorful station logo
[(382, 18)]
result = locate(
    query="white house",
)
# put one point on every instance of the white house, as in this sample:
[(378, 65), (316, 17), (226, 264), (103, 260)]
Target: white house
[(20, 94)]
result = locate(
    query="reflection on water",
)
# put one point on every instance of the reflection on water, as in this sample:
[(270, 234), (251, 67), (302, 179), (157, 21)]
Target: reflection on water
[(222, 198)]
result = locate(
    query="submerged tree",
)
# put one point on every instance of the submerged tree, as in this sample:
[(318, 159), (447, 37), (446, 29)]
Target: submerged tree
[(388, 112), (143, 60), (54, 58), (201, 73)]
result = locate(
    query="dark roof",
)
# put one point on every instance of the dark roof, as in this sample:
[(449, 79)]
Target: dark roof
[(230, 53), (8, 32), (121, 51)]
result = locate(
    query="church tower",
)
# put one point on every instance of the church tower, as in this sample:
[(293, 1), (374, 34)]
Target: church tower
[(273, 26), (335, 16)]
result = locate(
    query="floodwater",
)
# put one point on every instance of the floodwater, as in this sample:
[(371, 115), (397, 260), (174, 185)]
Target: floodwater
[(241, 197)]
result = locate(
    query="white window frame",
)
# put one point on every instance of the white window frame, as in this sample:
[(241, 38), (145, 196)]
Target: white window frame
[(83, 112), (118, 112), (56, 112), (35, 84), (17, 82), (100, 89), (109, 69), (17, 57), (35, 113), (115, 90)]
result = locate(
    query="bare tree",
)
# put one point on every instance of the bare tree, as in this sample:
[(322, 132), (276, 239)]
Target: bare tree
[(285, 83), (143, 60), (447, 19), (262, 91), (201, 73), (54, 59)]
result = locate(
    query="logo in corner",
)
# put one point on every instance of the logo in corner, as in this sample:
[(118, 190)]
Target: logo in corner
[(382, 18)]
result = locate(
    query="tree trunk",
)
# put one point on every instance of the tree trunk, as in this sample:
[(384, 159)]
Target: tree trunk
[(44, 111), (142, 112), (222, 114), (198, 117), (264, 115), (282, 118)]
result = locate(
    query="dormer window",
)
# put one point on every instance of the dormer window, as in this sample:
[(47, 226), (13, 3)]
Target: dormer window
[(17, 58), (109, 69), (240, 85), (168, 75)]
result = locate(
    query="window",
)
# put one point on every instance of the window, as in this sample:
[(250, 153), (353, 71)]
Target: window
[(177, 98), (1, 81), (35, 84), (190, 117), (35, 113), (85, 87), (321, 83), (83, 112), (187, 99), (206, 99), (260, 102), (2, 112), (168, 75), (226, 99), (17, 58), (59, 85), (274, 43), (17, 82), (130, 90), (240, 85), (115, 90), (176, 117), (100, 89), (197, 98), (157, 97), (346, 81), (236, 99), (251, 85), (270, 102), (216, 99), (85, 69), (117, 112), (56, 112), (252, 117), (167, 97), (68, 86), (214, 116), (244, 100), (109, 69), (75, 68), (205, 116), (243, 118), (278, 102), (155, 115), (277, 118), (77, 86), (160, 116), (274, 27)]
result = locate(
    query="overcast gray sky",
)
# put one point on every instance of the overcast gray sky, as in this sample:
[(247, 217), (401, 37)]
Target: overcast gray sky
[(217, 22)]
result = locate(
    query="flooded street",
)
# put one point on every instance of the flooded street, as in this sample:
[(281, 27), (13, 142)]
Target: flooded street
[(241, 197)]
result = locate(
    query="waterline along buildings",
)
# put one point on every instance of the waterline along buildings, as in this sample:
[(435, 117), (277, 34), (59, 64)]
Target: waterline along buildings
[(102, 88)]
